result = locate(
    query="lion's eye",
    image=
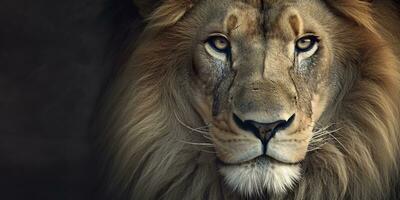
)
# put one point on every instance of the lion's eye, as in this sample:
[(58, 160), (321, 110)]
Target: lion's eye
[(219, 43), (306, 43), (218, 46)]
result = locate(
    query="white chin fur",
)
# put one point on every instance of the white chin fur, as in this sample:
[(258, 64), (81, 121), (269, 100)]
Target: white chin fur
[(259, 178)]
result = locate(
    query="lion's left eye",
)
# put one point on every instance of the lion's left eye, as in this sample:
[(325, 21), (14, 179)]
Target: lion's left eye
[(218, 46), (219, 43), (306, 43)]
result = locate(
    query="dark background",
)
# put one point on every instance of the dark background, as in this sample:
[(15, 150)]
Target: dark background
[(55, 59)]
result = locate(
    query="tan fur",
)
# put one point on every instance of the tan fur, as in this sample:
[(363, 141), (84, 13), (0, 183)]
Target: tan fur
[(151, 153), (359, 11)]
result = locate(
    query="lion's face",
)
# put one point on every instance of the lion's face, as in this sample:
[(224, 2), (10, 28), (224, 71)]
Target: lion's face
[(262, 75), (300, 98)]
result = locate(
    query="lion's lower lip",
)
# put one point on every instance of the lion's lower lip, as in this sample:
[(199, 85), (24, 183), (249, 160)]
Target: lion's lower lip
[(259, 159)]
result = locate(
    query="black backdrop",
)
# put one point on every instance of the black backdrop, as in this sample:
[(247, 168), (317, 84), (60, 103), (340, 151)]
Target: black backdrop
[(55, 58)]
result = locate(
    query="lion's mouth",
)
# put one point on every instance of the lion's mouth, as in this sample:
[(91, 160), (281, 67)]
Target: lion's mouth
[(262, 159)]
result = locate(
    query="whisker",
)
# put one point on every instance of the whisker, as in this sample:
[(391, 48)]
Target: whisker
[(322, 136), (205, 151), (319, 141), (341, 144), (189, 127), (316, 147), (197, 143), (204, 127), (207, 145)]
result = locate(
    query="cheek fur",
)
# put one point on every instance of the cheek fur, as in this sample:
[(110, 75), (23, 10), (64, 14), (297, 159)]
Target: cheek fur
[(306, 65)]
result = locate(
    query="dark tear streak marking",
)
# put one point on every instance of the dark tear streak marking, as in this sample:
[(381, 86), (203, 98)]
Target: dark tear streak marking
[(221, 91), (222, 88), (292, 72)]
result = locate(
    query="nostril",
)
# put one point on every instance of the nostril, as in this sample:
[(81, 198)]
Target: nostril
[(287, 123), (245, 125)]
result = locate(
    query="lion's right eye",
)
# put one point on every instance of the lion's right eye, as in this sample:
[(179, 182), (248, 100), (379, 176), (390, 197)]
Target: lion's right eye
[(306, 46), (218, 46), (306, 43)]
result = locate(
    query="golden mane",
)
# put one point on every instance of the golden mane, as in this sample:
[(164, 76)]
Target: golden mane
[(148, 153)]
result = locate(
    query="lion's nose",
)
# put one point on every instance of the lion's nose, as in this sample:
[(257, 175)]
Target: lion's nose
[(264, 131)]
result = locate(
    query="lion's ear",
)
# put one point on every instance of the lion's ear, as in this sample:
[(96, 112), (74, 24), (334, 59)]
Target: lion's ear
[(360, 11), (163, 13)]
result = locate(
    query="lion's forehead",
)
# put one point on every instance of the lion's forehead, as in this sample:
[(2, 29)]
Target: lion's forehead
[(242, 18), (252, 18)]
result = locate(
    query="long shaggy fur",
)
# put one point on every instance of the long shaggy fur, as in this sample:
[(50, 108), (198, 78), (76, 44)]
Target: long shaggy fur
[(151, 153)]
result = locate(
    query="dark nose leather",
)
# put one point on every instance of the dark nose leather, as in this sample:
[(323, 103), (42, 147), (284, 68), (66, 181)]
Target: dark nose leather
[(264, 131)]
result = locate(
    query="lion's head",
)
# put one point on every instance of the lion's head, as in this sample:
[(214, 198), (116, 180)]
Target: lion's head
[(255, 98)]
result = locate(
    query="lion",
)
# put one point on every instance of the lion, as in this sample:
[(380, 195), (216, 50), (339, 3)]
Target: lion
[(257, 99)]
